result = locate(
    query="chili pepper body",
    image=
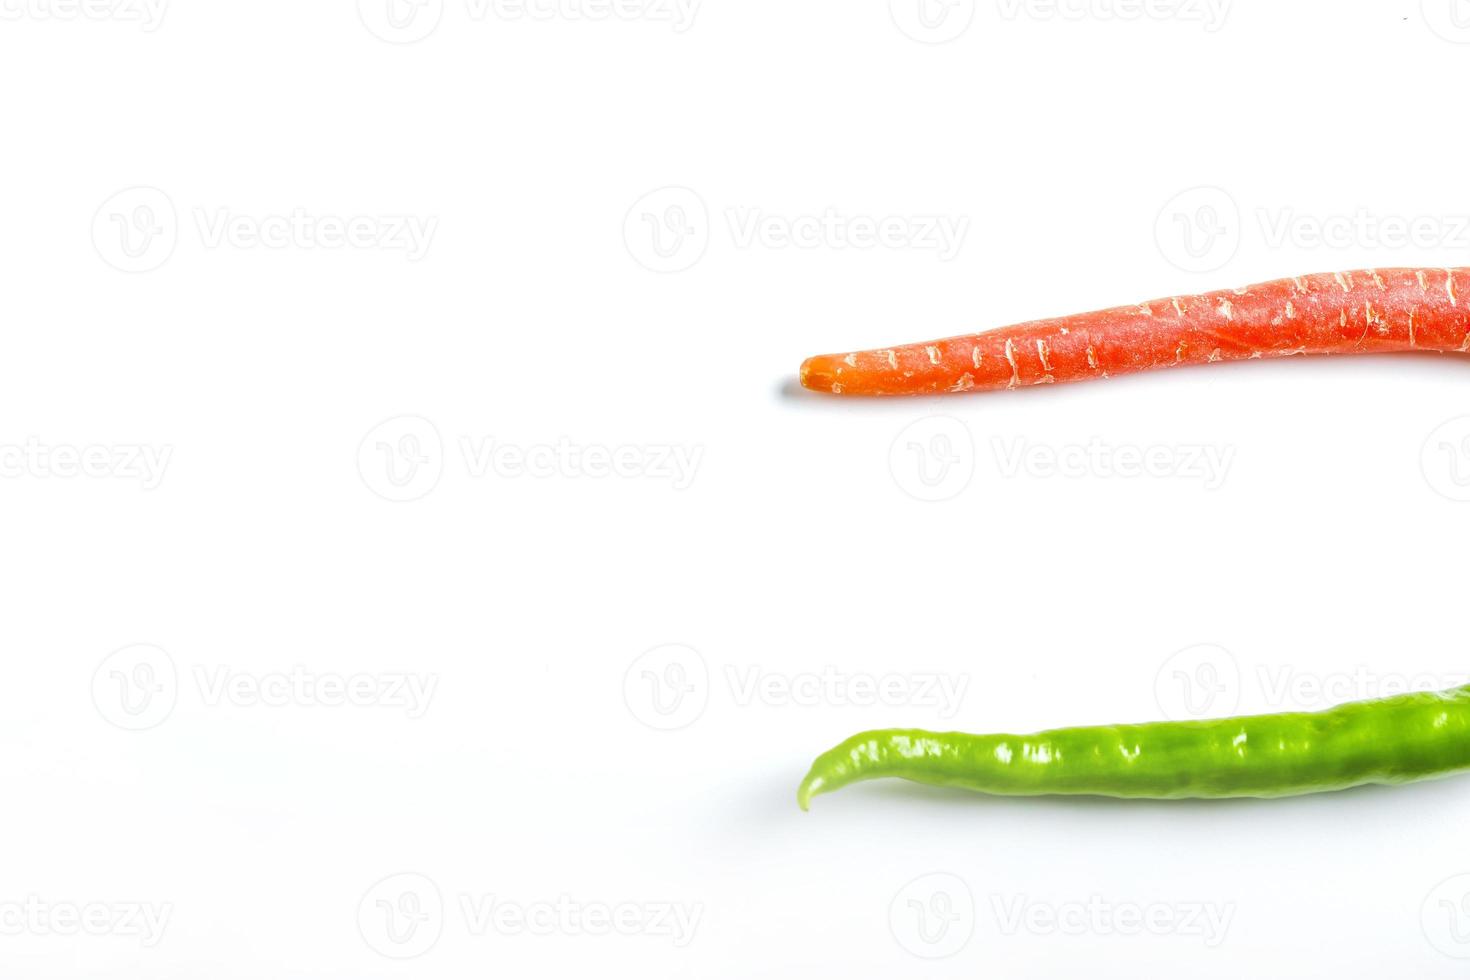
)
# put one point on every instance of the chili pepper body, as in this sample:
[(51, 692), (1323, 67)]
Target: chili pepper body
[(1372, 311), (1390, 740)]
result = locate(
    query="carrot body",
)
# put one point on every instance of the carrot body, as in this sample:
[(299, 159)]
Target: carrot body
[(1373, 311)]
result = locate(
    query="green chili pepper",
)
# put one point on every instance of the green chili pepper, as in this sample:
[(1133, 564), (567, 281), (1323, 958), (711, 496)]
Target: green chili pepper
[(1389, 740)]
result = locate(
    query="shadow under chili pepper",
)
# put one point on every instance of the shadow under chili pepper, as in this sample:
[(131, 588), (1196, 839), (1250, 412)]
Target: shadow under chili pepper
[(1406, 798)]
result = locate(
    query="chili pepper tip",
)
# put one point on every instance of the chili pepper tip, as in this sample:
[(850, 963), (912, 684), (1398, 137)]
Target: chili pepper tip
[(810, 786)]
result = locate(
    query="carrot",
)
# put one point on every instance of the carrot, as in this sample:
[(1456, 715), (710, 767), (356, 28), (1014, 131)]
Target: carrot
[(1373, 311)]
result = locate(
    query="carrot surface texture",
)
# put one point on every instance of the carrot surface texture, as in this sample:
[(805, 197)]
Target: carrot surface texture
[(1367, 312)]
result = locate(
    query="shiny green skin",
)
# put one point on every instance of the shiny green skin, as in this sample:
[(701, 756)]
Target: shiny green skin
[(1389, 740)]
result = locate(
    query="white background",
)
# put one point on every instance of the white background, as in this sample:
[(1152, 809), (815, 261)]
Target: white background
[(282, 388)]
